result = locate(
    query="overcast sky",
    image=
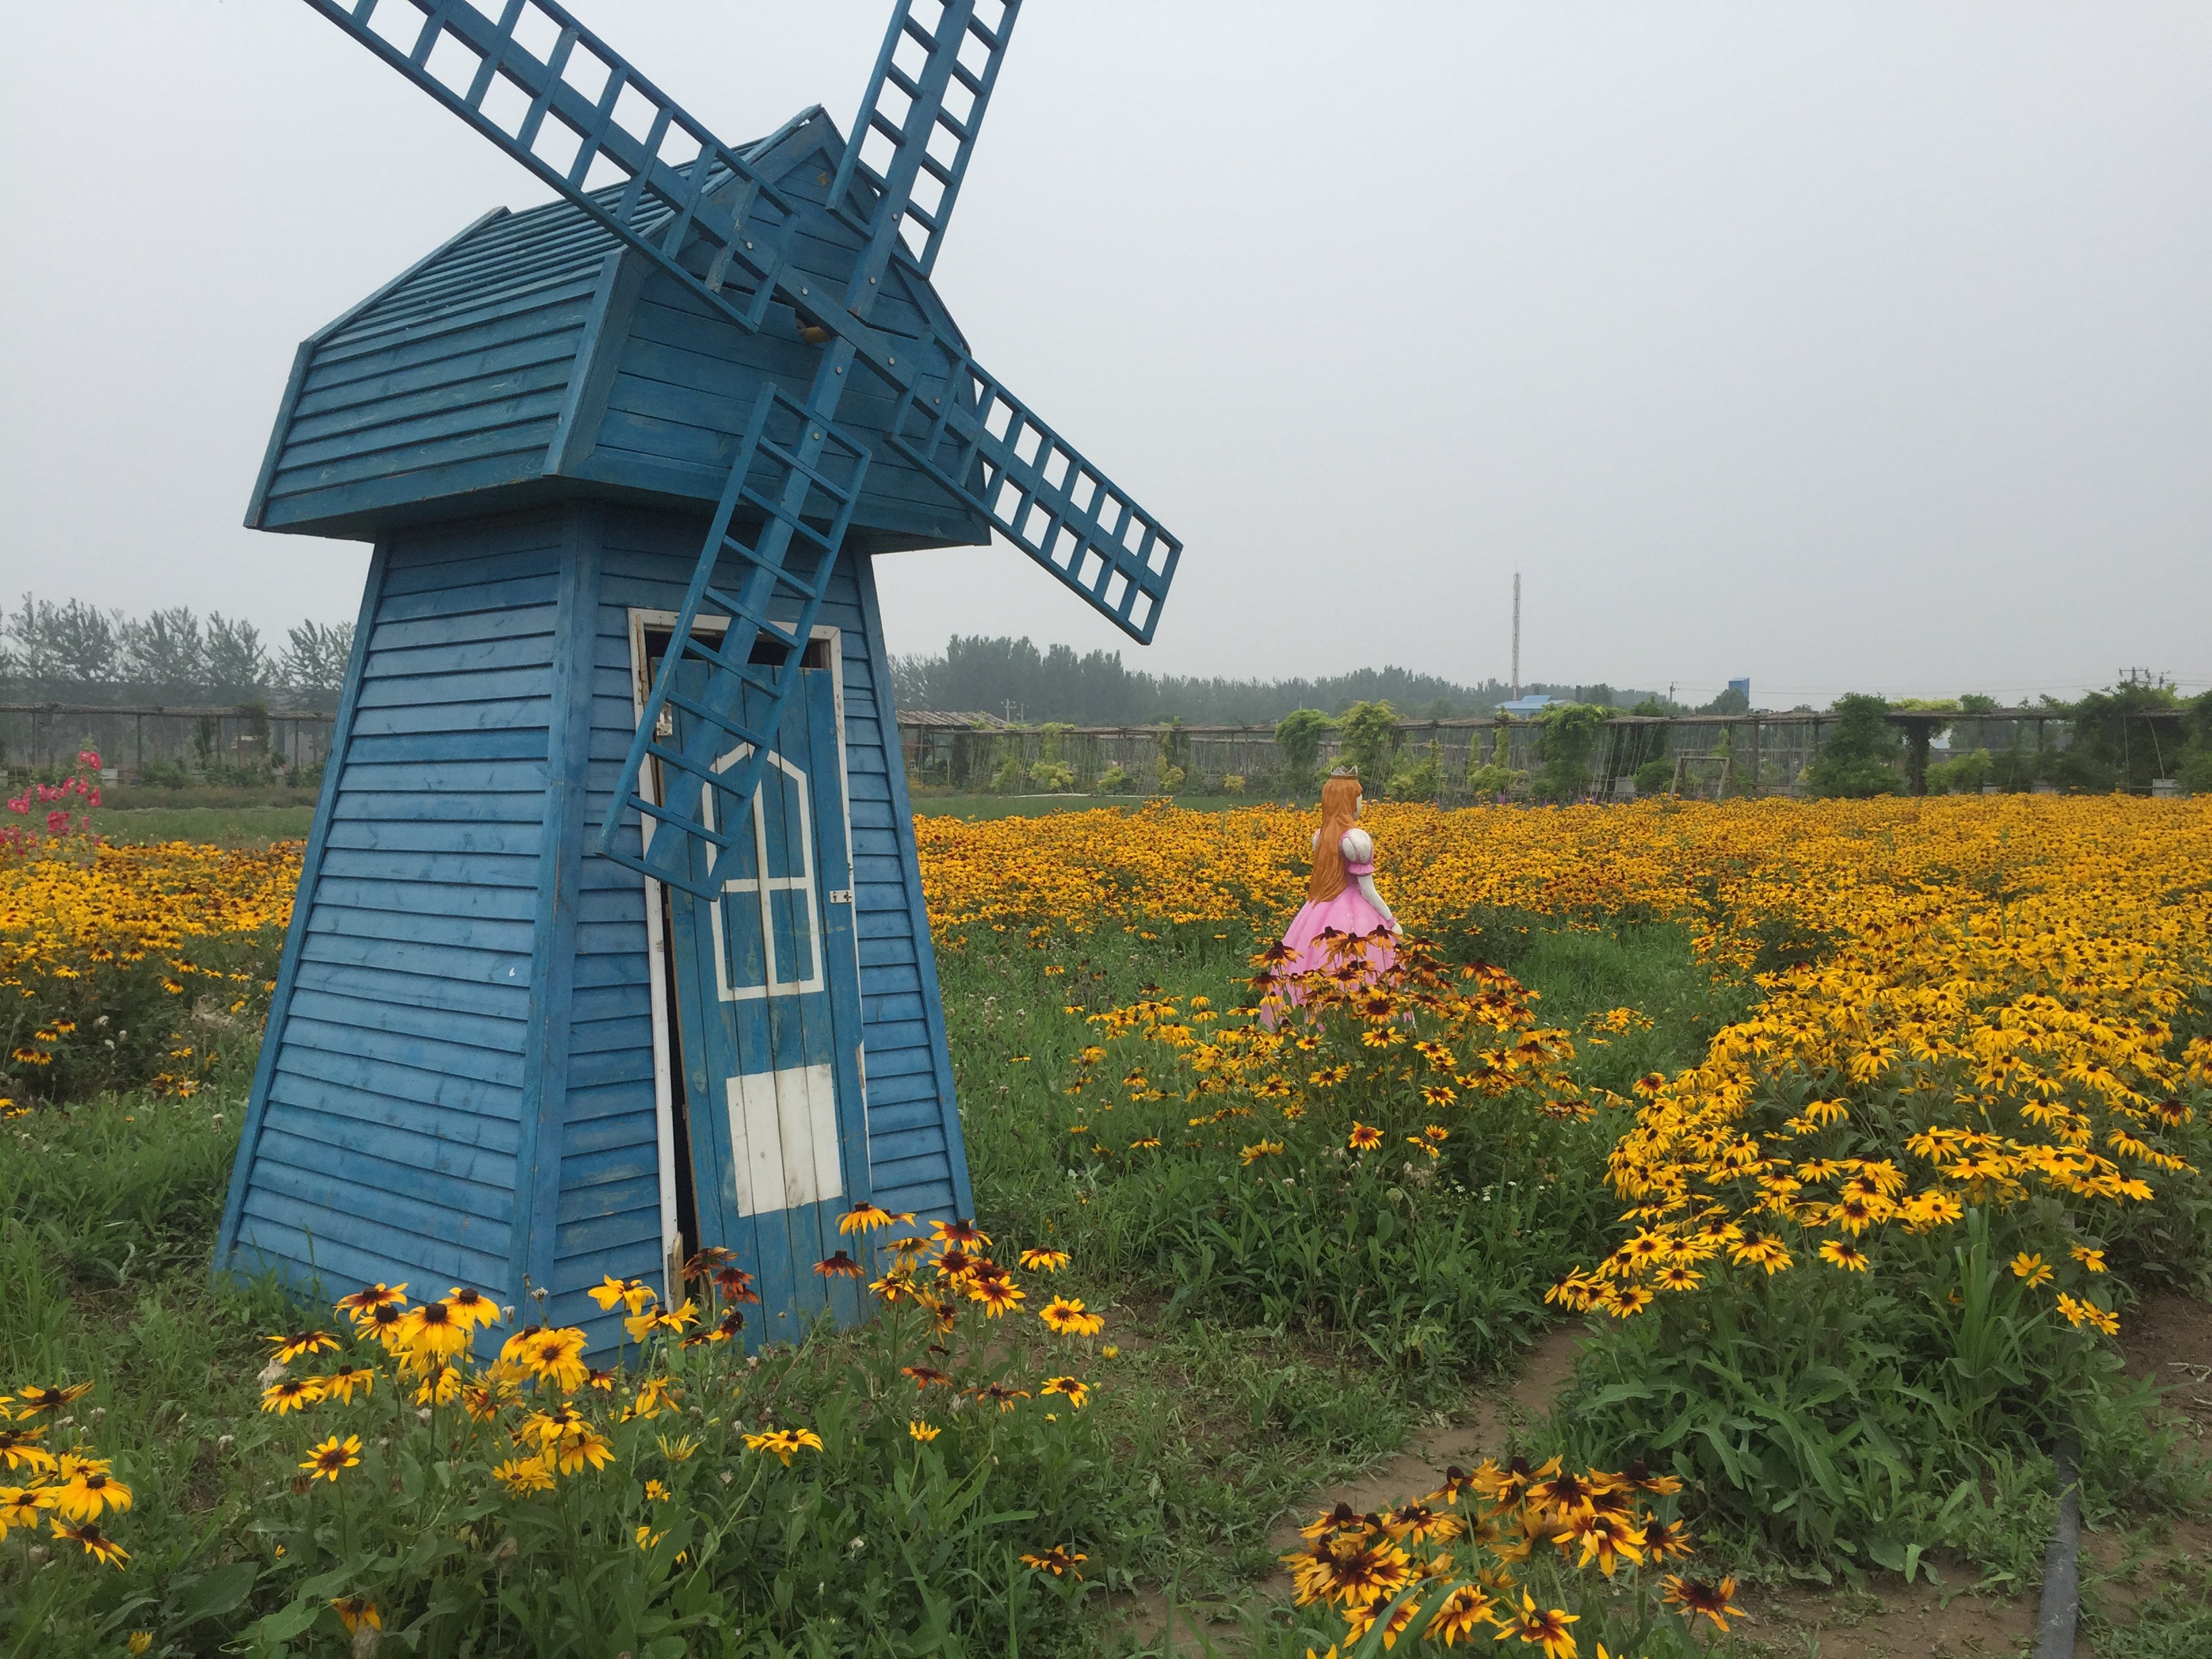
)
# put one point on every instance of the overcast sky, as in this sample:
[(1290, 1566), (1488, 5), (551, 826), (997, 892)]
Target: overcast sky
[(1844, 346)]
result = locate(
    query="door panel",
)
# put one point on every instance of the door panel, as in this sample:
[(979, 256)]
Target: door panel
[(767, 992)]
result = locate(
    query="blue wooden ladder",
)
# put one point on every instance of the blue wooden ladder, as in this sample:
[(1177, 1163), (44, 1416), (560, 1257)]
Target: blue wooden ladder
[(812, 480)]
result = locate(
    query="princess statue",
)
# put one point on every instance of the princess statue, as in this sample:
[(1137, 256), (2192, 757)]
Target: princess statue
[(1341, 902)]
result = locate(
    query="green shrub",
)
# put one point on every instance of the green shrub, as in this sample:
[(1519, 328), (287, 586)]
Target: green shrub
[(1419, 780), (1965, 774), (1655, 777), (1488, 780), (1115, 781), (1571, 731), (1857, 758), (1054, 777), (1370, 742)]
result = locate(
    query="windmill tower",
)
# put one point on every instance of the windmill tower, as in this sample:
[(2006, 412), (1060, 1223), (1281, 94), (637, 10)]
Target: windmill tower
[(610, 941)]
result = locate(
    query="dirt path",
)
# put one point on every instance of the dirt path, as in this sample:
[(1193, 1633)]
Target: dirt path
[(1490, 1421), (2168, 1341)]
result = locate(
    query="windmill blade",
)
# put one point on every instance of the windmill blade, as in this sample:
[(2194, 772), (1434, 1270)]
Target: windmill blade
[(917, 126), (984, 445), (558, 98)]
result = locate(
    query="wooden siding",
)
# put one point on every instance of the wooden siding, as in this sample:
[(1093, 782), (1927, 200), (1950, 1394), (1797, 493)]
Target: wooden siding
[(457, 1082), (382, 1137)]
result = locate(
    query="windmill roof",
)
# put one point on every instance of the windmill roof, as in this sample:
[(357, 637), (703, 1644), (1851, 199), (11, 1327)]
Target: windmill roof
[(534, 356)]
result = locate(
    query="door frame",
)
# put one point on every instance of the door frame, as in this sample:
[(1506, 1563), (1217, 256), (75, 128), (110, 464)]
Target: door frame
[(644, 620)]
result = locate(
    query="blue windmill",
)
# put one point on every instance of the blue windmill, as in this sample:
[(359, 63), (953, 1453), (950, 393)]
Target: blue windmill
[(610, 941)]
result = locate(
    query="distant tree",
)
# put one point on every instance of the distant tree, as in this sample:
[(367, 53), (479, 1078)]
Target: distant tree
[(1298, 739), (72, 645), (313, 663), (2122, 737), (1730, 702), (1858, 757), (167, 653), (1096, 688), (237, 663), (2195, 767)]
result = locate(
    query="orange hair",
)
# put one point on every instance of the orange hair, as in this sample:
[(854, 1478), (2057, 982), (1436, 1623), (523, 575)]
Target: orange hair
[(1340, 805)]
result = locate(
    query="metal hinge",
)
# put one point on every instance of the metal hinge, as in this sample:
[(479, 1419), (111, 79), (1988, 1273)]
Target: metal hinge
[(841, 895)]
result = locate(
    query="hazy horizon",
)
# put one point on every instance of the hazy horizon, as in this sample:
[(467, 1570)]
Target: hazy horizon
[(1851, 349)]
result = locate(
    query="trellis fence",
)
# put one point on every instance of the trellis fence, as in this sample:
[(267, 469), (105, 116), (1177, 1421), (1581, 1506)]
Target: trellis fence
[(1705, 754), (140, 741)]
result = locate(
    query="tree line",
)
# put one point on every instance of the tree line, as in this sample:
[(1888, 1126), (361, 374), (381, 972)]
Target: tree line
[(73, 652), (1011, 678)]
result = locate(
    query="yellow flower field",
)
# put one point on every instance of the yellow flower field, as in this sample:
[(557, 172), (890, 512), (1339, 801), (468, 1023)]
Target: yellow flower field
[(1939, 923), (101, 948)]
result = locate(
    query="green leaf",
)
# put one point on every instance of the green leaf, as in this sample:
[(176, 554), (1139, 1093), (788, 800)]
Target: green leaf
[(217, 1592), (284, 1623)]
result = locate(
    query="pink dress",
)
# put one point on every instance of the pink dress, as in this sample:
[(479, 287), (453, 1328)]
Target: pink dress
[(1348, 913)]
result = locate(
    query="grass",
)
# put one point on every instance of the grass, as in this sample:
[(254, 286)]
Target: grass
[(1221, 1419), (243, 826)]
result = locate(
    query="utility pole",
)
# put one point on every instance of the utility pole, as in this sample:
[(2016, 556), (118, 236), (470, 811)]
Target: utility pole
[(1516, 636)]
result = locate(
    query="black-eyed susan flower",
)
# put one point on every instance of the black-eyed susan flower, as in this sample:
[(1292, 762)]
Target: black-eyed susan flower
[(88, 1535), (1078, 1391), (2032, 1270), (345, 1380), (42, 1401), (1065, 1316), (1765, 1252), (354, 1611), (1460, 1613), (1545, 1627), (291, 1394), (555, 1359), (839, 1266), (1696, 1597), (580, 1447), (289, 1348), (866, 1217), (784, 1444), (925, 1432), (1848, 1257), (1045, 1261), (632, 1293), (1392, 1621), (994, 1289), (23, 1506), (1001, 1395), (20, 1448), (1058, 1560), (431, 1331), (521, 1476), (473, 1309), (328, 1460), (1364, 1137)]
